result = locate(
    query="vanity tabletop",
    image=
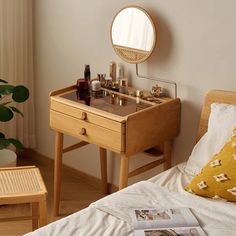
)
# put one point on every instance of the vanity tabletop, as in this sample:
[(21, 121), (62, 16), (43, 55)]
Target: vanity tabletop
[(109, 101)]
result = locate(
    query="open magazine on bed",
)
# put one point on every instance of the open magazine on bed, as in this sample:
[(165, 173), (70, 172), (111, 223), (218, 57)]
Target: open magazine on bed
[(165, 222)]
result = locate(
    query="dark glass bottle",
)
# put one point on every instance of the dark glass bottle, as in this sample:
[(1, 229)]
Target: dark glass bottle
[(87, 73)]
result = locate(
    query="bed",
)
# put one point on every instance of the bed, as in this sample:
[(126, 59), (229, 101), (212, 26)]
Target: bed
[(109, 215)]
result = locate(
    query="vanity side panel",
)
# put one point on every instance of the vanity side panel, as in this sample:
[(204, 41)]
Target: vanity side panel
[(152, 126)]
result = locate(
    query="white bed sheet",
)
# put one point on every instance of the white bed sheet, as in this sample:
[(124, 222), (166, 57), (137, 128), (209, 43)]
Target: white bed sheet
[(109, 216)]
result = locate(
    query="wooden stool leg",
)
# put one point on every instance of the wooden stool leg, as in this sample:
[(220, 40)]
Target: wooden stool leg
[(103, 163), (43, 211), (35, 215), (124, 170), (57, 172), (167, 154)]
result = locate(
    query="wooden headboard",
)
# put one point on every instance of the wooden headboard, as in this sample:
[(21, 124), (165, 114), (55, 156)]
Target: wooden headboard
[(212, 96)]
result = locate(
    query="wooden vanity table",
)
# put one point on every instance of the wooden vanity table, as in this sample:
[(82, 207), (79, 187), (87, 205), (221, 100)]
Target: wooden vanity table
[(120, 123)]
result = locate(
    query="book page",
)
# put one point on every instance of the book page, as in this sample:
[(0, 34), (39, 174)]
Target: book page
[(143, 218), (183, 231)]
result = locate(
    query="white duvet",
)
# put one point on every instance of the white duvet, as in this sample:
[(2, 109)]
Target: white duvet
[(109, 216)]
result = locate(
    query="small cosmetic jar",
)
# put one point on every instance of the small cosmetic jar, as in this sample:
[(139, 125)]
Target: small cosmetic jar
[(96, 85), (108, 82), (139, 93)]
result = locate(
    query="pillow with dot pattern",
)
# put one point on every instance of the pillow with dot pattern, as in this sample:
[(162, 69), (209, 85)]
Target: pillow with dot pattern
[(217, 178)]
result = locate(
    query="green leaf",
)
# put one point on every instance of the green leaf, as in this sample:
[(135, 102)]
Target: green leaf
[(4, 143), (16, 143), (16, 110), (6, 89), (2, 135), (3, 81), (20, 93), (5, 114)]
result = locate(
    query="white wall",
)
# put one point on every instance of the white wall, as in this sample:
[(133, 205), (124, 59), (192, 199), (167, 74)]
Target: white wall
[(196, 48)]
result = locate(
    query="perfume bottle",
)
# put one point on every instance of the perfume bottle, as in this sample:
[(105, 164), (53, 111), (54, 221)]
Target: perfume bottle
[(87, 73), (123, 88), (112, 71), (119, 73)]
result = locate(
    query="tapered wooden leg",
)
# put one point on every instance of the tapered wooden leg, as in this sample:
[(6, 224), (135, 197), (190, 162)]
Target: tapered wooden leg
[(124, 170), (103, 163), (57, 172), (35, 215), (167, 154), (43, 211)]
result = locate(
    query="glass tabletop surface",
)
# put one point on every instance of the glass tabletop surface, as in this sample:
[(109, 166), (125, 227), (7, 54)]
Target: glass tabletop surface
[(108, 101)]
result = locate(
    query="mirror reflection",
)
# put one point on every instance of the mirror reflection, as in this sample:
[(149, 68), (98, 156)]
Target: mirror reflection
[(132, 28), (133, 34)]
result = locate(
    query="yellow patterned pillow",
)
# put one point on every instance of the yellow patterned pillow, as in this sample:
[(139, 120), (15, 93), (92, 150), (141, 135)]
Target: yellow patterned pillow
[(218, 178)]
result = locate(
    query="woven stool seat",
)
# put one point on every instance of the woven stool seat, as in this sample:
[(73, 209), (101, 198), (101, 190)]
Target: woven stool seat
[(24, 185)]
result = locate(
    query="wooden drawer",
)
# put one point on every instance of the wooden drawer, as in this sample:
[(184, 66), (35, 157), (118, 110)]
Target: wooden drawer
[(88, 116), (93, 133)]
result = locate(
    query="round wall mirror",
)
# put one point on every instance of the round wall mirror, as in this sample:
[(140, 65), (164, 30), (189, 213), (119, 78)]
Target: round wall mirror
[(133, 34)]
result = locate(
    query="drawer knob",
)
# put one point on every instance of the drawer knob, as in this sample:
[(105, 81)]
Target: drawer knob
[(83, 131), (83, 116)]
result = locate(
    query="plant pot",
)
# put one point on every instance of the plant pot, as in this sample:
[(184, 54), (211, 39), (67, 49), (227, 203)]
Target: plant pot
[(7, 158)]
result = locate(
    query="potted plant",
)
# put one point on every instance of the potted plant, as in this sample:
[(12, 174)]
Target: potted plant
[(8, 95)]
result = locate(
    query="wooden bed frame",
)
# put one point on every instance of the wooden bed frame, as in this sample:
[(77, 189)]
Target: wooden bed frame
[(218, 96)]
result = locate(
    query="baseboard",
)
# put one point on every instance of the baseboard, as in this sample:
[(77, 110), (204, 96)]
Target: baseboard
[(89, 179)]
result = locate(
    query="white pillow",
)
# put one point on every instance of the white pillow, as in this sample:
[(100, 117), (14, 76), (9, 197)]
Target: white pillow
[(221, 122)]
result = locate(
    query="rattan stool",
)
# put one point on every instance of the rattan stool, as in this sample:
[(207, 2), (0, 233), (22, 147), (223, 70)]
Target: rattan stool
[(24, 185)]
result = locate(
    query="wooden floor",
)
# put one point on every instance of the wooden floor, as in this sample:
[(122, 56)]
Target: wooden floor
[(76, 194)]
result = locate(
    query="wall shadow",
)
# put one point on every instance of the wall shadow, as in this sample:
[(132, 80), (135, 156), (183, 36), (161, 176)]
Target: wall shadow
[(164, 40)]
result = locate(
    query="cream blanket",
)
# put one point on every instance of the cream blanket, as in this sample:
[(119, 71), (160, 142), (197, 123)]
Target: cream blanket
[(109, 216)]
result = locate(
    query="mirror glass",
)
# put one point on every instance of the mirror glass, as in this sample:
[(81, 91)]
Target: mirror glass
[(133, 34)]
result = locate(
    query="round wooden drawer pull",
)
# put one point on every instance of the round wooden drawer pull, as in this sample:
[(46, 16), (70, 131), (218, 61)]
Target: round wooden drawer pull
[(83, 131), (83, 116)]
